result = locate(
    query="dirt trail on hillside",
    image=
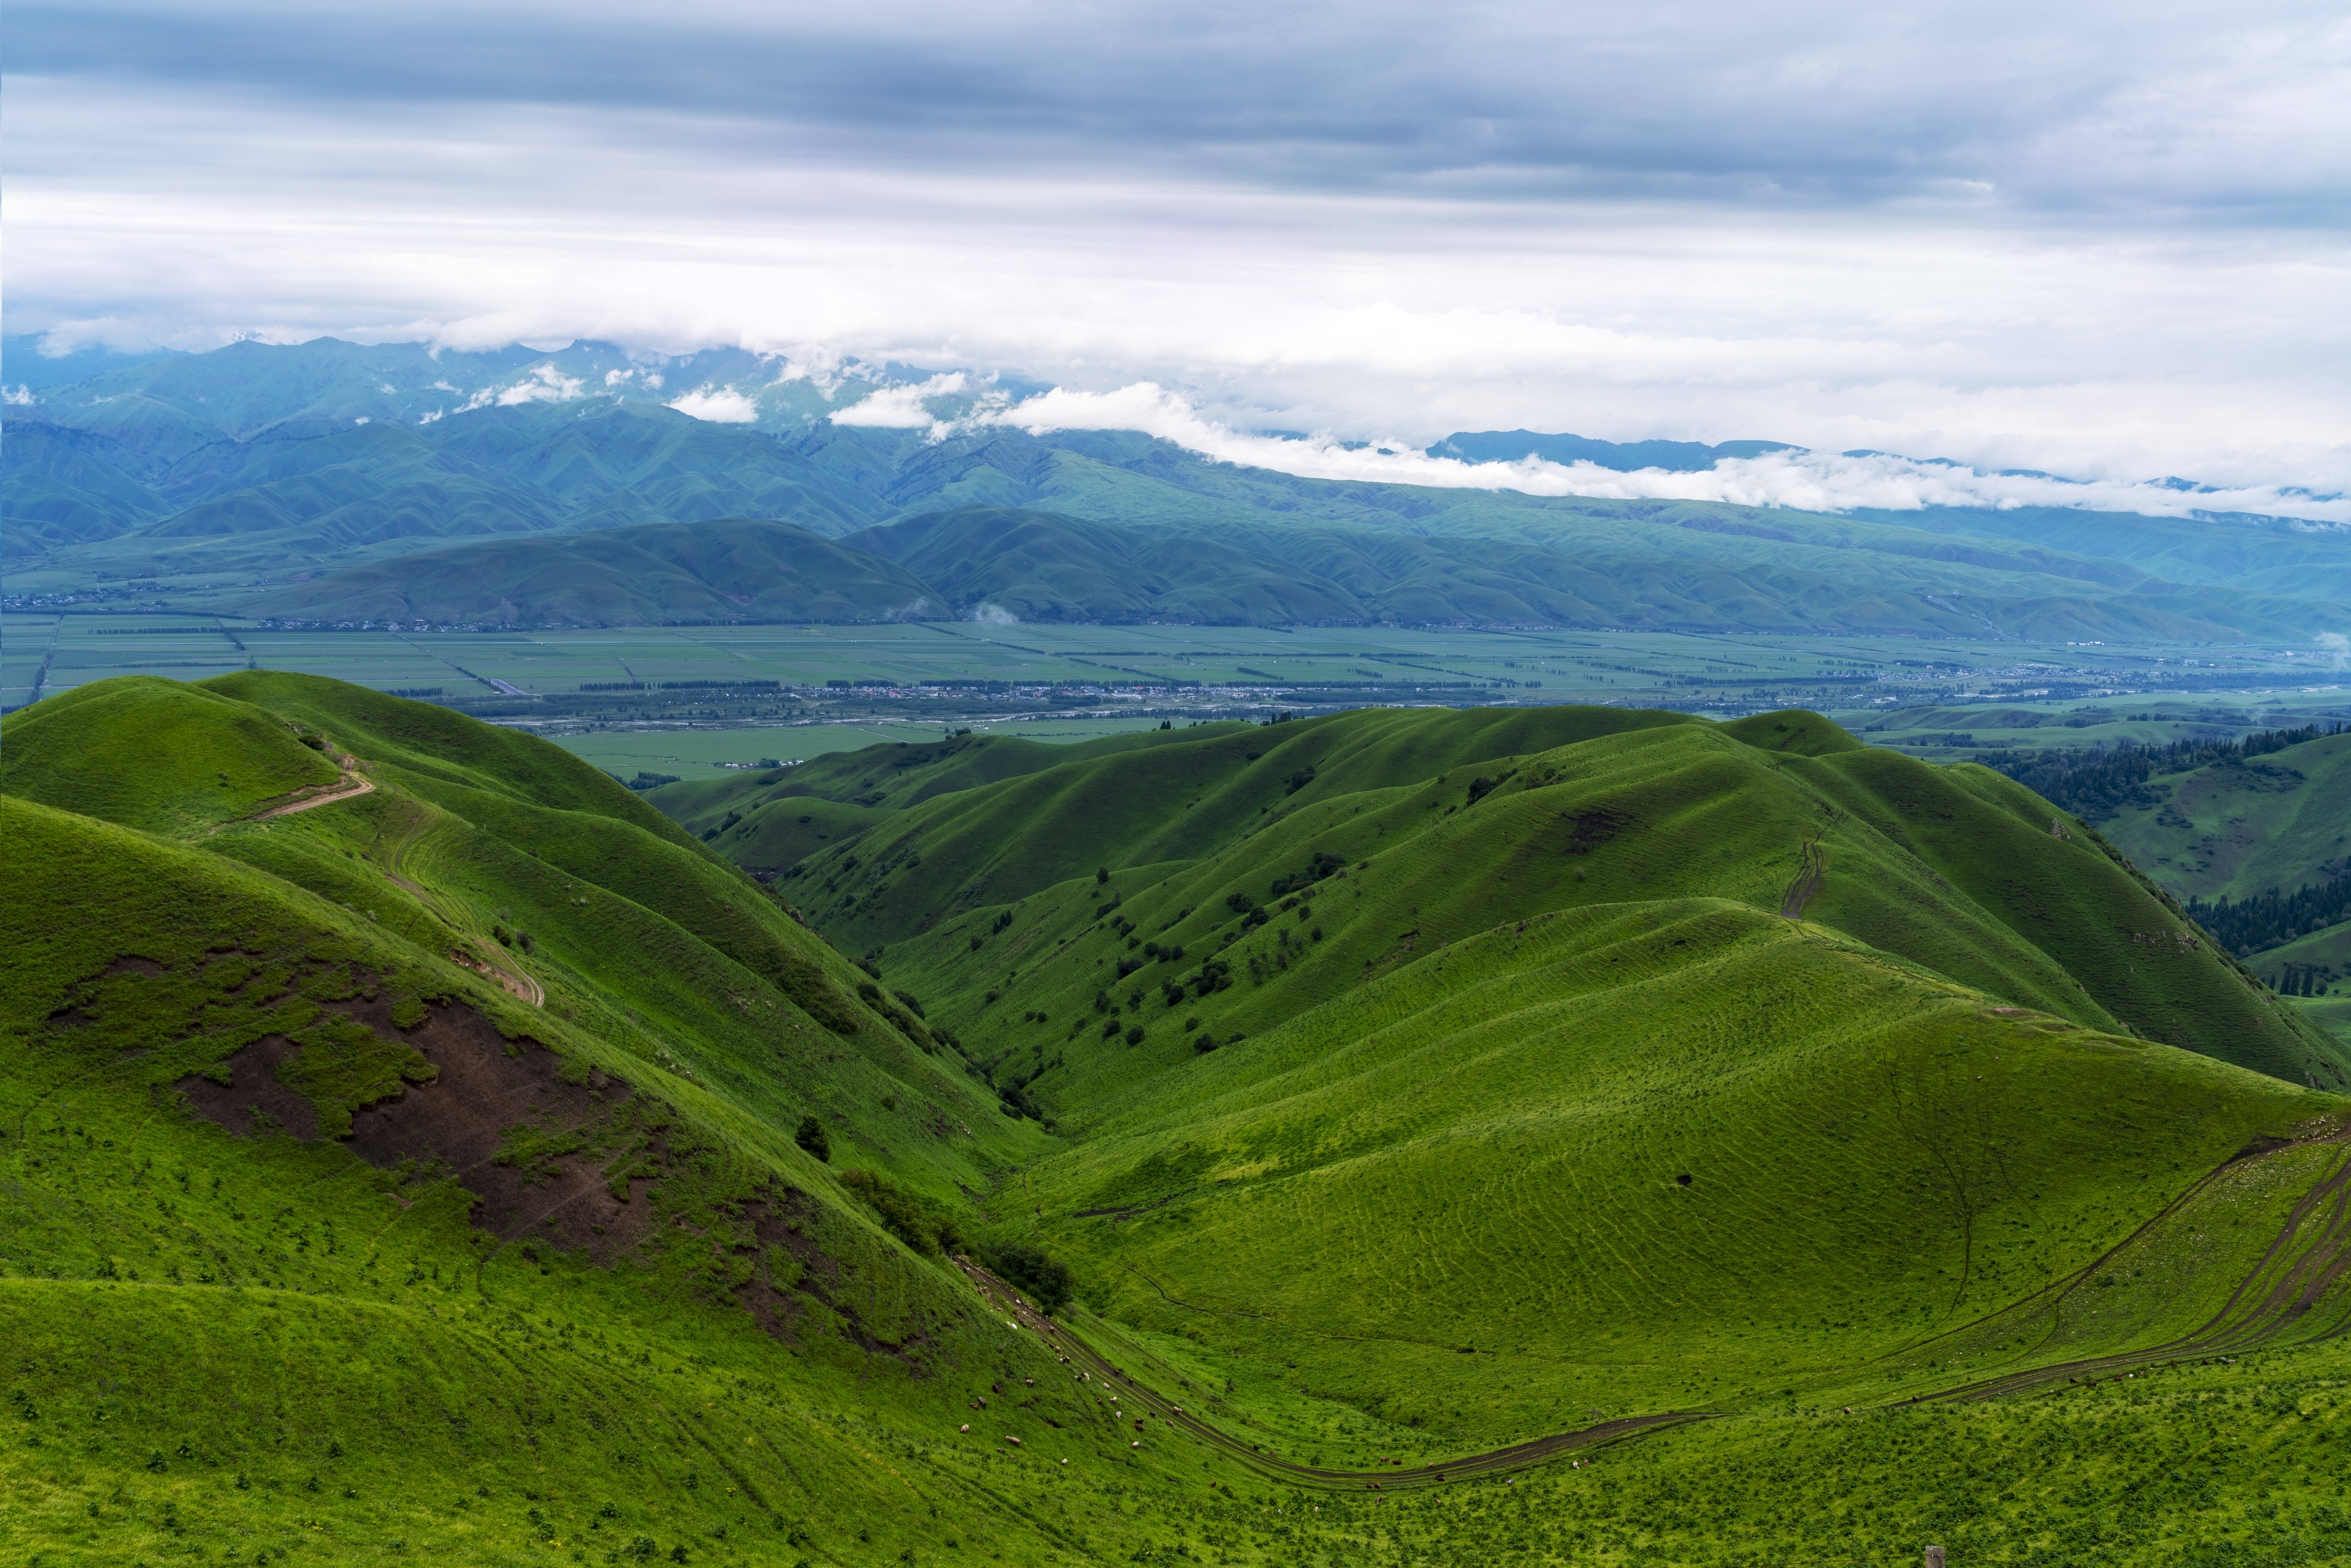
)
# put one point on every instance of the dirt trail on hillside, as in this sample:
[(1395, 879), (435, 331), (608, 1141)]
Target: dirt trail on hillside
[(2300, 1274), (1811, 871), (1159, 1414), (490, 961), (2296, 1275), (352, 785)]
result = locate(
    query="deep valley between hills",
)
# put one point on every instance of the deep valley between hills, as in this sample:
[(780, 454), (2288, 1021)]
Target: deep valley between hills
[(1509, 1135)]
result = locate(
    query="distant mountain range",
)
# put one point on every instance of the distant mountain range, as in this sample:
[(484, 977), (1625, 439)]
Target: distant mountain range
[(342, 482)]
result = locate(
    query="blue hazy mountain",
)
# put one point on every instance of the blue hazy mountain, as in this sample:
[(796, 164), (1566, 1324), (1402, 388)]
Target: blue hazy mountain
[(1624, 457), (328, 457), (25, 368)]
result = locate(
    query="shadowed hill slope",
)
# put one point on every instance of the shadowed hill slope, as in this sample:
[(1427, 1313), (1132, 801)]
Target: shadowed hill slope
[(1040, 566), (738, 569)]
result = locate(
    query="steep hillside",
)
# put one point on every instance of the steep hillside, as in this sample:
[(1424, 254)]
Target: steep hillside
[(424, 1161)]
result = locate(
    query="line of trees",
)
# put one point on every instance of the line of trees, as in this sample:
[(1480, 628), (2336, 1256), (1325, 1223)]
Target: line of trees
[(2269, 919), (2096, 784), (2303, 981)]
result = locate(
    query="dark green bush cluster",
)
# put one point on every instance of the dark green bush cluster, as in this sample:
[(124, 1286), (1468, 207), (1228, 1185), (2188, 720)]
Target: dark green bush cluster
[(1044, 1281), (1017, 1102), (1321, 865), (904, 1215), (813, 1138), (1214, 975)]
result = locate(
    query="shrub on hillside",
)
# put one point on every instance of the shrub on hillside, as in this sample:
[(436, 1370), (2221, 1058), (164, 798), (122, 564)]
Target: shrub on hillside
[(812, 1137), (1044, 1279), (904, 1215), (1321, 866)]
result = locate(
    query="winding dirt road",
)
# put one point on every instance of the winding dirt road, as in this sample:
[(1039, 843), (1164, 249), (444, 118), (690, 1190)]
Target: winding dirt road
[(351, 787), (2297, 1276), (1157, 1407)]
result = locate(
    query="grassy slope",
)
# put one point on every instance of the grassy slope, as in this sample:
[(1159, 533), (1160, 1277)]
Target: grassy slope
[(281, 1319), (1486, 1148), (156, 753), (2240, 829), (988, 846), (1455, 1112), (756, 818), (265, 1342), (1954, 869), (303, 1351)]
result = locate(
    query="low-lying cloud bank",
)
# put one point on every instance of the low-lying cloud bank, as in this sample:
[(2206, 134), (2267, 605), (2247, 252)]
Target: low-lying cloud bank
[(1807, 481)]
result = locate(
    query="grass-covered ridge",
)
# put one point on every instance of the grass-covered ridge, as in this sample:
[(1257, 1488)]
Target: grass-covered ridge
[(773, 820), (479, 1167), (1454, 822)]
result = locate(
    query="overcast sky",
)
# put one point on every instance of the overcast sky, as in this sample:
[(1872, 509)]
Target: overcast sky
[(2099, 238)]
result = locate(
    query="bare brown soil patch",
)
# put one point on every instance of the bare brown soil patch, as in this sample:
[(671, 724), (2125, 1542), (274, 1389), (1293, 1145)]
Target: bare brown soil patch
[(489, 1101), (781, 1221), (459, 1123), (254, 1101)]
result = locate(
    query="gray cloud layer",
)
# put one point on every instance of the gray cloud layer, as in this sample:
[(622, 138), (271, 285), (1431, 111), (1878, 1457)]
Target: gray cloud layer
[(2238, 110), (2084, 237)]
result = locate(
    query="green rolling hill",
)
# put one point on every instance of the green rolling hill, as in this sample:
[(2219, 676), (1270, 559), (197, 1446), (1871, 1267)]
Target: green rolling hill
[(1467, 818), (768, 821), (2241, 826), (419, 1145), (2267, 831)]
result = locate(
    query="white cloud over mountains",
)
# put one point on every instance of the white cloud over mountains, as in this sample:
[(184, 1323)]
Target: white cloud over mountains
[(901, 407), (723, 405), (2075, 236), (1807, 481)]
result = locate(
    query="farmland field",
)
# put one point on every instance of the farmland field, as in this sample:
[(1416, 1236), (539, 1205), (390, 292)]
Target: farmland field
[(1863, 681)]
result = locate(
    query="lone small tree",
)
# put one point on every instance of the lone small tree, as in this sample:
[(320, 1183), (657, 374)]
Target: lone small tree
[(812, 1137)]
